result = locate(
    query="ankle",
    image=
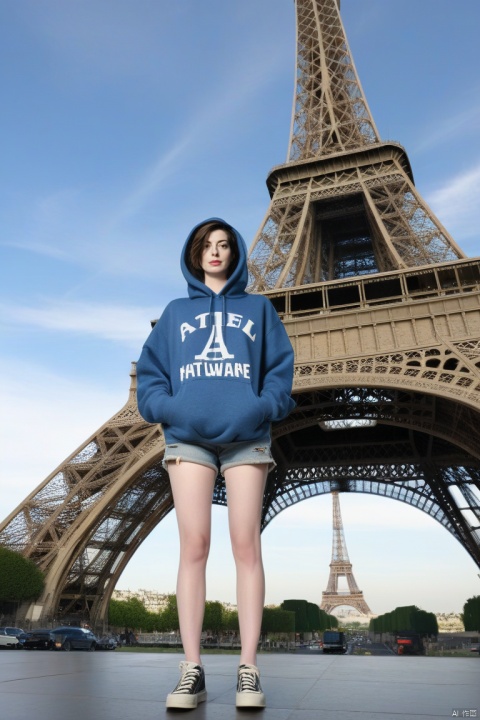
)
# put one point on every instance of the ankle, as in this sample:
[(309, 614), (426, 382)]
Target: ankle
[(248, 661)]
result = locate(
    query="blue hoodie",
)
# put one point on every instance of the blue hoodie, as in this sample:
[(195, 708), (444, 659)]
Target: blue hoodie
[(216, 368)]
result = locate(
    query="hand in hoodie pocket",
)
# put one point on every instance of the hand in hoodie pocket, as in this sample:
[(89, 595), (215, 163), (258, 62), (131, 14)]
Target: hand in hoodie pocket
[(221, 410)]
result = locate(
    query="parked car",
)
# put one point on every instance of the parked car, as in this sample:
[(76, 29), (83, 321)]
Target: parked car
[(40, 639), (9, 637), (21, 638), (107, 642), (74, 638)]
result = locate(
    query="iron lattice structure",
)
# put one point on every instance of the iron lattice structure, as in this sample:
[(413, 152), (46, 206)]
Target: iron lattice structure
[(345, 203), (341, 567), (383, 311)]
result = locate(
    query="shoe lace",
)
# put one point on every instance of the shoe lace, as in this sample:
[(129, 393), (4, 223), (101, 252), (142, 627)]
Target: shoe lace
[(247, 681), (188, 679)]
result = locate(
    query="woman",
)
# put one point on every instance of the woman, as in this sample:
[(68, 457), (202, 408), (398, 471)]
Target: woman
[(215, 372)]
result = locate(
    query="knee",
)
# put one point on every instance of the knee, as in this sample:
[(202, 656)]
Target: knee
[(194, 548), (246, 550)]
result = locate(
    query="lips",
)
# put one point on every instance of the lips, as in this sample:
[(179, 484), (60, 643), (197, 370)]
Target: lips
[(215, 262)]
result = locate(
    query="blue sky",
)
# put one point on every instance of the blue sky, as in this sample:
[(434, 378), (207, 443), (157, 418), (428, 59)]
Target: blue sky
[(126, 122)]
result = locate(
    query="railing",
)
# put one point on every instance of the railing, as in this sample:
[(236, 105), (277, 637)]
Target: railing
[(366, 291)]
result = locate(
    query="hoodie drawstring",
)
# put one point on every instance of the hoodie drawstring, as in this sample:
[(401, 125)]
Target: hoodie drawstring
[(211, 310)]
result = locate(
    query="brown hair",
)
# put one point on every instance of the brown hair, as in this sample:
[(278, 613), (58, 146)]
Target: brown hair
[(196, 246)]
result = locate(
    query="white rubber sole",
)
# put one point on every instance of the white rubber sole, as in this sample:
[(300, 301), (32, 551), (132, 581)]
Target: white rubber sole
[(179, 701), (250, 700)]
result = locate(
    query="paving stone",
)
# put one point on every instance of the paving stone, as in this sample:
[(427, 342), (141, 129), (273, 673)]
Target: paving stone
[(127, 686)]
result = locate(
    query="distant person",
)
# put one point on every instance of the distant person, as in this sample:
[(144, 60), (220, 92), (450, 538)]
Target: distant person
[(216, 371)]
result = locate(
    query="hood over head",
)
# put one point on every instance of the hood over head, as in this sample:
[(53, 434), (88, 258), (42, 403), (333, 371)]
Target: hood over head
[(236, 283)]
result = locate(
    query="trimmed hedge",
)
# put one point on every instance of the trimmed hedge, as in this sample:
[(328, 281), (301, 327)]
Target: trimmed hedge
[(309, 617), (277, 620), (407, 617)]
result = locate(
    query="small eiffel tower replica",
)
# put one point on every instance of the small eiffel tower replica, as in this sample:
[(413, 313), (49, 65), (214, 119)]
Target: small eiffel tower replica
[(341, 567)]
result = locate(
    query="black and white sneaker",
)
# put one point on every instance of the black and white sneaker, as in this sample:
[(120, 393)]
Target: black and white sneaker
[(249, 690), (190, 689)]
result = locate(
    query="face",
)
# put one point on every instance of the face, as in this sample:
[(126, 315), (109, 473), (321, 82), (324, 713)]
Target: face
[(217, 255)]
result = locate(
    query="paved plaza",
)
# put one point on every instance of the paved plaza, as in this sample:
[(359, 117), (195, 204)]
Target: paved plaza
[(133, 686)]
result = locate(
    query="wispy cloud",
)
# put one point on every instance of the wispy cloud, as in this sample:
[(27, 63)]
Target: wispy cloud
[(456, 203), (38, 248), (154, 177), (450, 128), (107, 224), (49, 414), (218, 109), (124, 324), (45, 227), (98, 234)]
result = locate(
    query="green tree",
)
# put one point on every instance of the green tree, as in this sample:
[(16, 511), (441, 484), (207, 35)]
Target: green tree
[(169, 616), (213, 617), (130, 613), (20, 578), (471, 614), (230, 621), (153, 622), (116, 615)]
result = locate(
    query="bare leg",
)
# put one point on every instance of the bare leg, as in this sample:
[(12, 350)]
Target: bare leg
[(245, 487), (192, 488)]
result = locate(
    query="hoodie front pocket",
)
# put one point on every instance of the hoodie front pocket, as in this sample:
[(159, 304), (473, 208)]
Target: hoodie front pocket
[(220, 410)]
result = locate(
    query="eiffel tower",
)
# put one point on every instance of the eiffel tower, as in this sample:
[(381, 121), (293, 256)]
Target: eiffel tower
[(341, 567), (383, 310)]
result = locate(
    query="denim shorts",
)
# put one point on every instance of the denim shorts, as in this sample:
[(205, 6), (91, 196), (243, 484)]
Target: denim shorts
[(220, 457)]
